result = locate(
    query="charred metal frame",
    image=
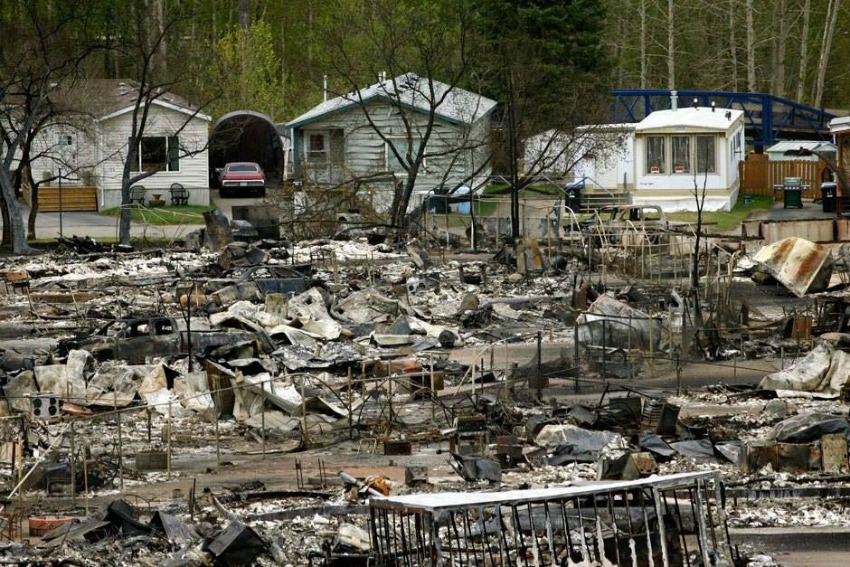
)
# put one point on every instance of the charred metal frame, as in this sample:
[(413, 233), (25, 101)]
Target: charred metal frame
[(597, 523)]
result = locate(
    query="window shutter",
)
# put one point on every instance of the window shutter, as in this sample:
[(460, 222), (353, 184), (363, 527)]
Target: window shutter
[(173, 153)]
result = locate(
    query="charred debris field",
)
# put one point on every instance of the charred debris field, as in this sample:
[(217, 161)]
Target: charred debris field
[(343, 403)]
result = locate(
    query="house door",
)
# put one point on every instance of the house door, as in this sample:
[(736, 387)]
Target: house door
[(325, 155)]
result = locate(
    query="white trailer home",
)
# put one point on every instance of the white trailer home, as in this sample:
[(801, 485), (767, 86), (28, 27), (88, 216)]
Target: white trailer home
[(683, 154), (669, 158)]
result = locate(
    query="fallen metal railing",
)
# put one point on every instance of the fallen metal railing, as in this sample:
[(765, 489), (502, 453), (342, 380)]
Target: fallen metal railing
[(650, 521)]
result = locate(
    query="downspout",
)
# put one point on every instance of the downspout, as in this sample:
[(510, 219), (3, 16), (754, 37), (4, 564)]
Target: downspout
[(99, 179), (296, 155)]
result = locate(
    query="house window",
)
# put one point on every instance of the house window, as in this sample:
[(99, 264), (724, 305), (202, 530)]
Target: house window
[(655, 160), (66, 150), (159, 153), (401, 147), (706, 157), (681, 149), (317, 149)]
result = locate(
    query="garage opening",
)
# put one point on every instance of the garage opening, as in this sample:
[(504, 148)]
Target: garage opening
[(245, 135)]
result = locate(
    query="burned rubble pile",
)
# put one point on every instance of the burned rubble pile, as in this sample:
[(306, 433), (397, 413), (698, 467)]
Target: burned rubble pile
[(168, 408)]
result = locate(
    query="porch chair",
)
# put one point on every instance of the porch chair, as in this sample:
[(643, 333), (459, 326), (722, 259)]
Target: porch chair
[(179, 195), (137, 195)]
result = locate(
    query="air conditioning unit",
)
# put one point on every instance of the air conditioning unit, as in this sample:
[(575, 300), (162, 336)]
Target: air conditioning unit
[(44, 406)]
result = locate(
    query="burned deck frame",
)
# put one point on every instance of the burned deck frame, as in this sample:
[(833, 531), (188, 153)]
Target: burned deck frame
[(595, 524)]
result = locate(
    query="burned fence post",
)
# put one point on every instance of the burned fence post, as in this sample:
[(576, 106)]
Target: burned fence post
[(576, 357), (217, 434), (539, 366), (604, 350), (168, 440), (350, 405), (678, 375), (120, 444), (73, 468), (263, 419), (86, 476)]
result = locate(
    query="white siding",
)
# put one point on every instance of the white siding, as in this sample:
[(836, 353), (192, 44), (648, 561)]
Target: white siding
[(194, 169), (365, 153), (76, 159)]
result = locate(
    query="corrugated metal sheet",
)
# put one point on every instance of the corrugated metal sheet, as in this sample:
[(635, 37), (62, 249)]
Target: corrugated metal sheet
[(820, 230), (800, 265)]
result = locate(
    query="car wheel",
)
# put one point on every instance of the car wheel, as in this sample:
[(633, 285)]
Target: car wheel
[(261, 192)]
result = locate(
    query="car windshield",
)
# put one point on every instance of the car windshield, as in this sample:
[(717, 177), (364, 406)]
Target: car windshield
[(243, 167)]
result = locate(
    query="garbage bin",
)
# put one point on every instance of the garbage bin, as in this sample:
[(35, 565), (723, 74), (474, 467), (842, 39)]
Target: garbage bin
[(572, 195), (827, 192)]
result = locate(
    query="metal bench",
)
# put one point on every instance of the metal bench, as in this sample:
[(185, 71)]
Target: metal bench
[(137, 195), (179, 195)]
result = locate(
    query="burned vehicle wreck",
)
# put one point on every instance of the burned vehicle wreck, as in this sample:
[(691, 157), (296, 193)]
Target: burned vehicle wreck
[(136, 339)]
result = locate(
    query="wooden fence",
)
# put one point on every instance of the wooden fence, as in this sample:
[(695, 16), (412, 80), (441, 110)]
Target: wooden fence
[(759, 175), (79, 199)]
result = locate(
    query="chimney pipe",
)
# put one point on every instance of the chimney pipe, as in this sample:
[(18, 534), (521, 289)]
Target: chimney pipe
[(674, 100), (325, 88)]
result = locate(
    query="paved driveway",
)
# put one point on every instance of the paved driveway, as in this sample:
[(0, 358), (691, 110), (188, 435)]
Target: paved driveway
[(51, 225)]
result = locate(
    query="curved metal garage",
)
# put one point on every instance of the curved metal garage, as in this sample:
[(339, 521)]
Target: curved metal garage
[(246, 135)]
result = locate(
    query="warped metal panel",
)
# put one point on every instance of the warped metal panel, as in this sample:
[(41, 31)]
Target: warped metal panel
[(800, 265)]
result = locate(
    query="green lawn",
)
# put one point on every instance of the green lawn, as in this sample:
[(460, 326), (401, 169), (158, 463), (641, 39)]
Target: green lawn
[(165, 215), (725, 220)]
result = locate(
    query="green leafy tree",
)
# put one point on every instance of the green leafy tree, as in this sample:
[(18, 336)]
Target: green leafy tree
[(430, 40), (142, 45), (249, 70), (45, 46), (544, 61)]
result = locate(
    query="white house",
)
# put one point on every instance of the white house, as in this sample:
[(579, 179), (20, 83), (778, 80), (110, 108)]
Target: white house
[(363, 134), (607, 159), (602, 155), (89, 142), (684, 152)]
